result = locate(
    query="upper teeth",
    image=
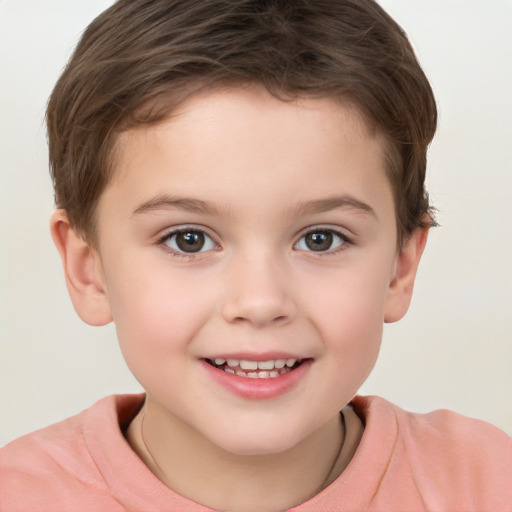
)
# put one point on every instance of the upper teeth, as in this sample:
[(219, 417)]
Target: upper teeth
[(256, 365)]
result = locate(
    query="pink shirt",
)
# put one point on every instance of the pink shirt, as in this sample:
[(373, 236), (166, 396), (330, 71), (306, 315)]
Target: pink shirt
[(405, 462)]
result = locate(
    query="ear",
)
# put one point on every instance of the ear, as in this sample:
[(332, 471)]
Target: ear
[(83, 271), (402, 282)]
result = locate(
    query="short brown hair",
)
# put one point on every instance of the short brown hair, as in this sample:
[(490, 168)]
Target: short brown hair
[(139, 58)]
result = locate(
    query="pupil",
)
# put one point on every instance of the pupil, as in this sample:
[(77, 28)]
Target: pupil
[(190, 241), (320, 241)]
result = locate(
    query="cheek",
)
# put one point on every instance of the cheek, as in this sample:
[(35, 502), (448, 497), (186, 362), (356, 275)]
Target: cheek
[(352, 335), (354, 295), (156, 315), (349, 315)]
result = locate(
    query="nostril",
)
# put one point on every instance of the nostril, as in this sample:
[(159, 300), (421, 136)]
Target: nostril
[(258, 308), (259, 320)]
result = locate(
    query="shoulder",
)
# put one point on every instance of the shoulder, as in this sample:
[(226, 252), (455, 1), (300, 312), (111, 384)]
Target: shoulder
[(465, 459), (41, 465), (456, 435)]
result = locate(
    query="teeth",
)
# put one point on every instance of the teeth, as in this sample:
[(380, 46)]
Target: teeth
[(257, 375), (248, 365), (266, 369), (255, 365)]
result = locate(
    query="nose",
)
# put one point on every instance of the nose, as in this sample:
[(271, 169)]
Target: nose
[(259, 293)]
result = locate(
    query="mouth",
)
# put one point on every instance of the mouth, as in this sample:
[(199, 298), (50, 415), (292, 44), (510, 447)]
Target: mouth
[(269, 369)]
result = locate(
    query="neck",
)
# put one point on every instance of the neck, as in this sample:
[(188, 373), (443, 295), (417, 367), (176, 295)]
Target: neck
[(197, 469)]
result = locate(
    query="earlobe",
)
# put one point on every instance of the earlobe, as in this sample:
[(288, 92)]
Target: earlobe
[(83, 272), (402, 283)]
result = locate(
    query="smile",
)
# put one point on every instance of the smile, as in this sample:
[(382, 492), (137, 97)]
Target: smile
[(255, 369), (253, 379)]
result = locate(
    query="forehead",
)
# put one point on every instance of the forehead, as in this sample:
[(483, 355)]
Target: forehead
[(223, 114), (249, 142)]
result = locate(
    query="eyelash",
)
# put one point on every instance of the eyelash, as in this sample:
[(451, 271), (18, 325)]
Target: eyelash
[(345, 241), (162, 242)]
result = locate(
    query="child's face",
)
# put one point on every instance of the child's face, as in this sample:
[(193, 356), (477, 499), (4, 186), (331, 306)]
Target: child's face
[(247, 228)]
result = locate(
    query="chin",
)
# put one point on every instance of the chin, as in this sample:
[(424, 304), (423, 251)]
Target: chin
[(259, 442)]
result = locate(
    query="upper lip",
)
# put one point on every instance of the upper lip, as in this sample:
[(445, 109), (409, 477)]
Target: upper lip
[(263, 356)]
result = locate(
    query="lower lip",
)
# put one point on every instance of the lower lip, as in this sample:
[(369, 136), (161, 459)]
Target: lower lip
[(258, 389)]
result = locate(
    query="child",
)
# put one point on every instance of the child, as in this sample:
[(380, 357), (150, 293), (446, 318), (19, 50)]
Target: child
[(240, 188)]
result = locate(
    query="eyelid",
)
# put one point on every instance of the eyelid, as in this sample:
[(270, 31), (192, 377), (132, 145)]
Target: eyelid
[(175, 230), (346, 239)]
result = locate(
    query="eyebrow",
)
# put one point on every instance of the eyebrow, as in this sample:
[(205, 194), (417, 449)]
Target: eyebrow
[(165, 202), (333, 203)]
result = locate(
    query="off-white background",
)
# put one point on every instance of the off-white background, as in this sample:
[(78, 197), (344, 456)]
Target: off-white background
[(454, 349)]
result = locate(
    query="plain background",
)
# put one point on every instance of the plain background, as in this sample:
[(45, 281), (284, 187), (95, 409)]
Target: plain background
[(454, 348)]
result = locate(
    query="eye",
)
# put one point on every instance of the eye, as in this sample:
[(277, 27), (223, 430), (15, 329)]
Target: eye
[(188, 241), (321, 240)]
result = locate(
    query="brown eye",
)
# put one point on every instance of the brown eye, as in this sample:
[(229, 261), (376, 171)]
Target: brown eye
[(189, 241), (321, 240)]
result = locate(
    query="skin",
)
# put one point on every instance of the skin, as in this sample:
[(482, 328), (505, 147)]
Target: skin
[(255, 174)]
